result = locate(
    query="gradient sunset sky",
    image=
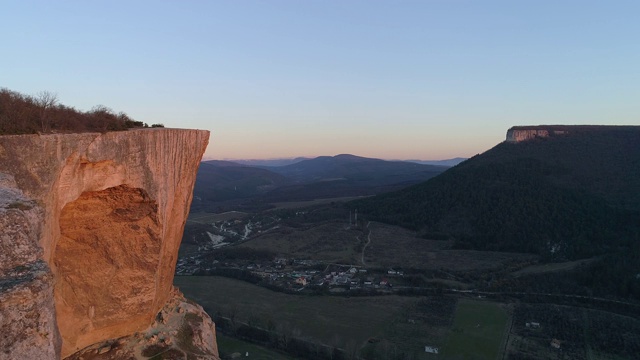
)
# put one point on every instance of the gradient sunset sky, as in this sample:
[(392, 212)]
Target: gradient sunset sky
[(428, 79)]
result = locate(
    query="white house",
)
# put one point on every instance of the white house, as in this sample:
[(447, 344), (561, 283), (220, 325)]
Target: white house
[(431, 349)]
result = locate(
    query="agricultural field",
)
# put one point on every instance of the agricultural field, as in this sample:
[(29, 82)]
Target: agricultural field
[(371, 325), (477, 332), (227, 346), (308, 203), (334, 241), (208, 218), (383, 327), (552, 267), (389, 245), (425, 322), (331, 241), (305, 235), (581, 333)]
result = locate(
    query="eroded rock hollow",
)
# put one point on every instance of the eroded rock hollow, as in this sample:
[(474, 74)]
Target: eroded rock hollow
[(90, 226), (106, 260)]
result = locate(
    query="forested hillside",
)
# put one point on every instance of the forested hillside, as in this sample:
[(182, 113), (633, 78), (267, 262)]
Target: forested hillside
[(224, 186), (222, 180), (568, 196), (358, 170)]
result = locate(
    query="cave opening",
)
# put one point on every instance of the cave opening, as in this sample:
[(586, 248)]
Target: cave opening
[(105, 263)]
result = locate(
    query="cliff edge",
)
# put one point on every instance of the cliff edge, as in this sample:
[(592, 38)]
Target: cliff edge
[(518, 134), (90, 226)]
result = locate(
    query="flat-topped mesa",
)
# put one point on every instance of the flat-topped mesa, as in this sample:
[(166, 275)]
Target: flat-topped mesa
[(91, 224), (523, 133)]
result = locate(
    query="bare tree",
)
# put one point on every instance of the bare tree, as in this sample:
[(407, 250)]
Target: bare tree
[(45, 100)]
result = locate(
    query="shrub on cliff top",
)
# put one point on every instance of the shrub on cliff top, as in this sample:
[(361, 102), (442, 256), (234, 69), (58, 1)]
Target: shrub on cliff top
[(24, 114)]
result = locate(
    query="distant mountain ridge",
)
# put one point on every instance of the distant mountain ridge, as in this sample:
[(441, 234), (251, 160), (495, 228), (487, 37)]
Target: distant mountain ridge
[(356, 168), (269, 162), (570, 196), (224, 180), (321, 177), (446, 162)]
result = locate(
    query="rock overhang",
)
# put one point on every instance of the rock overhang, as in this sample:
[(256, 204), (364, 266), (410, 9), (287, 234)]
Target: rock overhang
[(52, 171)]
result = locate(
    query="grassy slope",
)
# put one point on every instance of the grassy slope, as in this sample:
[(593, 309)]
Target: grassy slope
[(406, 324), (478, 328), (317, 317), (328, 242), (228, 345), (336, 321)]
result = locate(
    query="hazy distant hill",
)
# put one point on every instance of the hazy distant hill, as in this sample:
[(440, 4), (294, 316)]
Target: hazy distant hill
[(270, 162), (223, 180), (570, 195), (353, 168), (447, 162), (224, 185)]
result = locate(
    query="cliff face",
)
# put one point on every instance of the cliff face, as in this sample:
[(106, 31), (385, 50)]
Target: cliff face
[(518, 134), (27, 310), (523, 133), (181, 330), (90, 226)]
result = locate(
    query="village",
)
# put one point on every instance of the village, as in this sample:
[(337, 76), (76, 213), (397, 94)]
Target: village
[(299, 274)]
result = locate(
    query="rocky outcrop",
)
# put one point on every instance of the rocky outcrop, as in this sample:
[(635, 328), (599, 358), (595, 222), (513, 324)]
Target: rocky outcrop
[(181, 330), (27, 310), (90, 226), (524, 133)]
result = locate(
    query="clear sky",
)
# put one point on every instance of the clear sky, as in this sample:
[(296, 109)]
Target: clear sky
[(429, 79)]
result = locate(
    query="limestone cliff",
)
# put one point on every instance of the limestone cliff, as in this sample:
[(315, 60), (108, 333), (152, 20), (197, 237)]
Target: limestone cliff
[(524, 133), (181, 330), (518, 134), (90, 226)]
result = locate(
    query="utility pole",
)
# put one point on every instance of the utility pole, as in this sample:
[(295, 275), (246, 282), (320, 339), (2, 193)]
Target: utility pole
[(356, 218)]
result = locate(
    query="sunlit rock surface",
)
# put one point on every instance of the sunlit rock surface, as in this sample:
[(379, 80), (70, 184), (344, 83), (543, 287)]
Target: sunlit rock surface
[(523, 133), (181, 330), (90, 226)]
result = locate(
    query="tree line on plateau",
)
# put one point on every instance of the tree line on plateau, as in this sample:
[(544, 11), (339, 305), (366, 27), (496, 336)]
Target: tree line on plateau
[(42, 113)]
